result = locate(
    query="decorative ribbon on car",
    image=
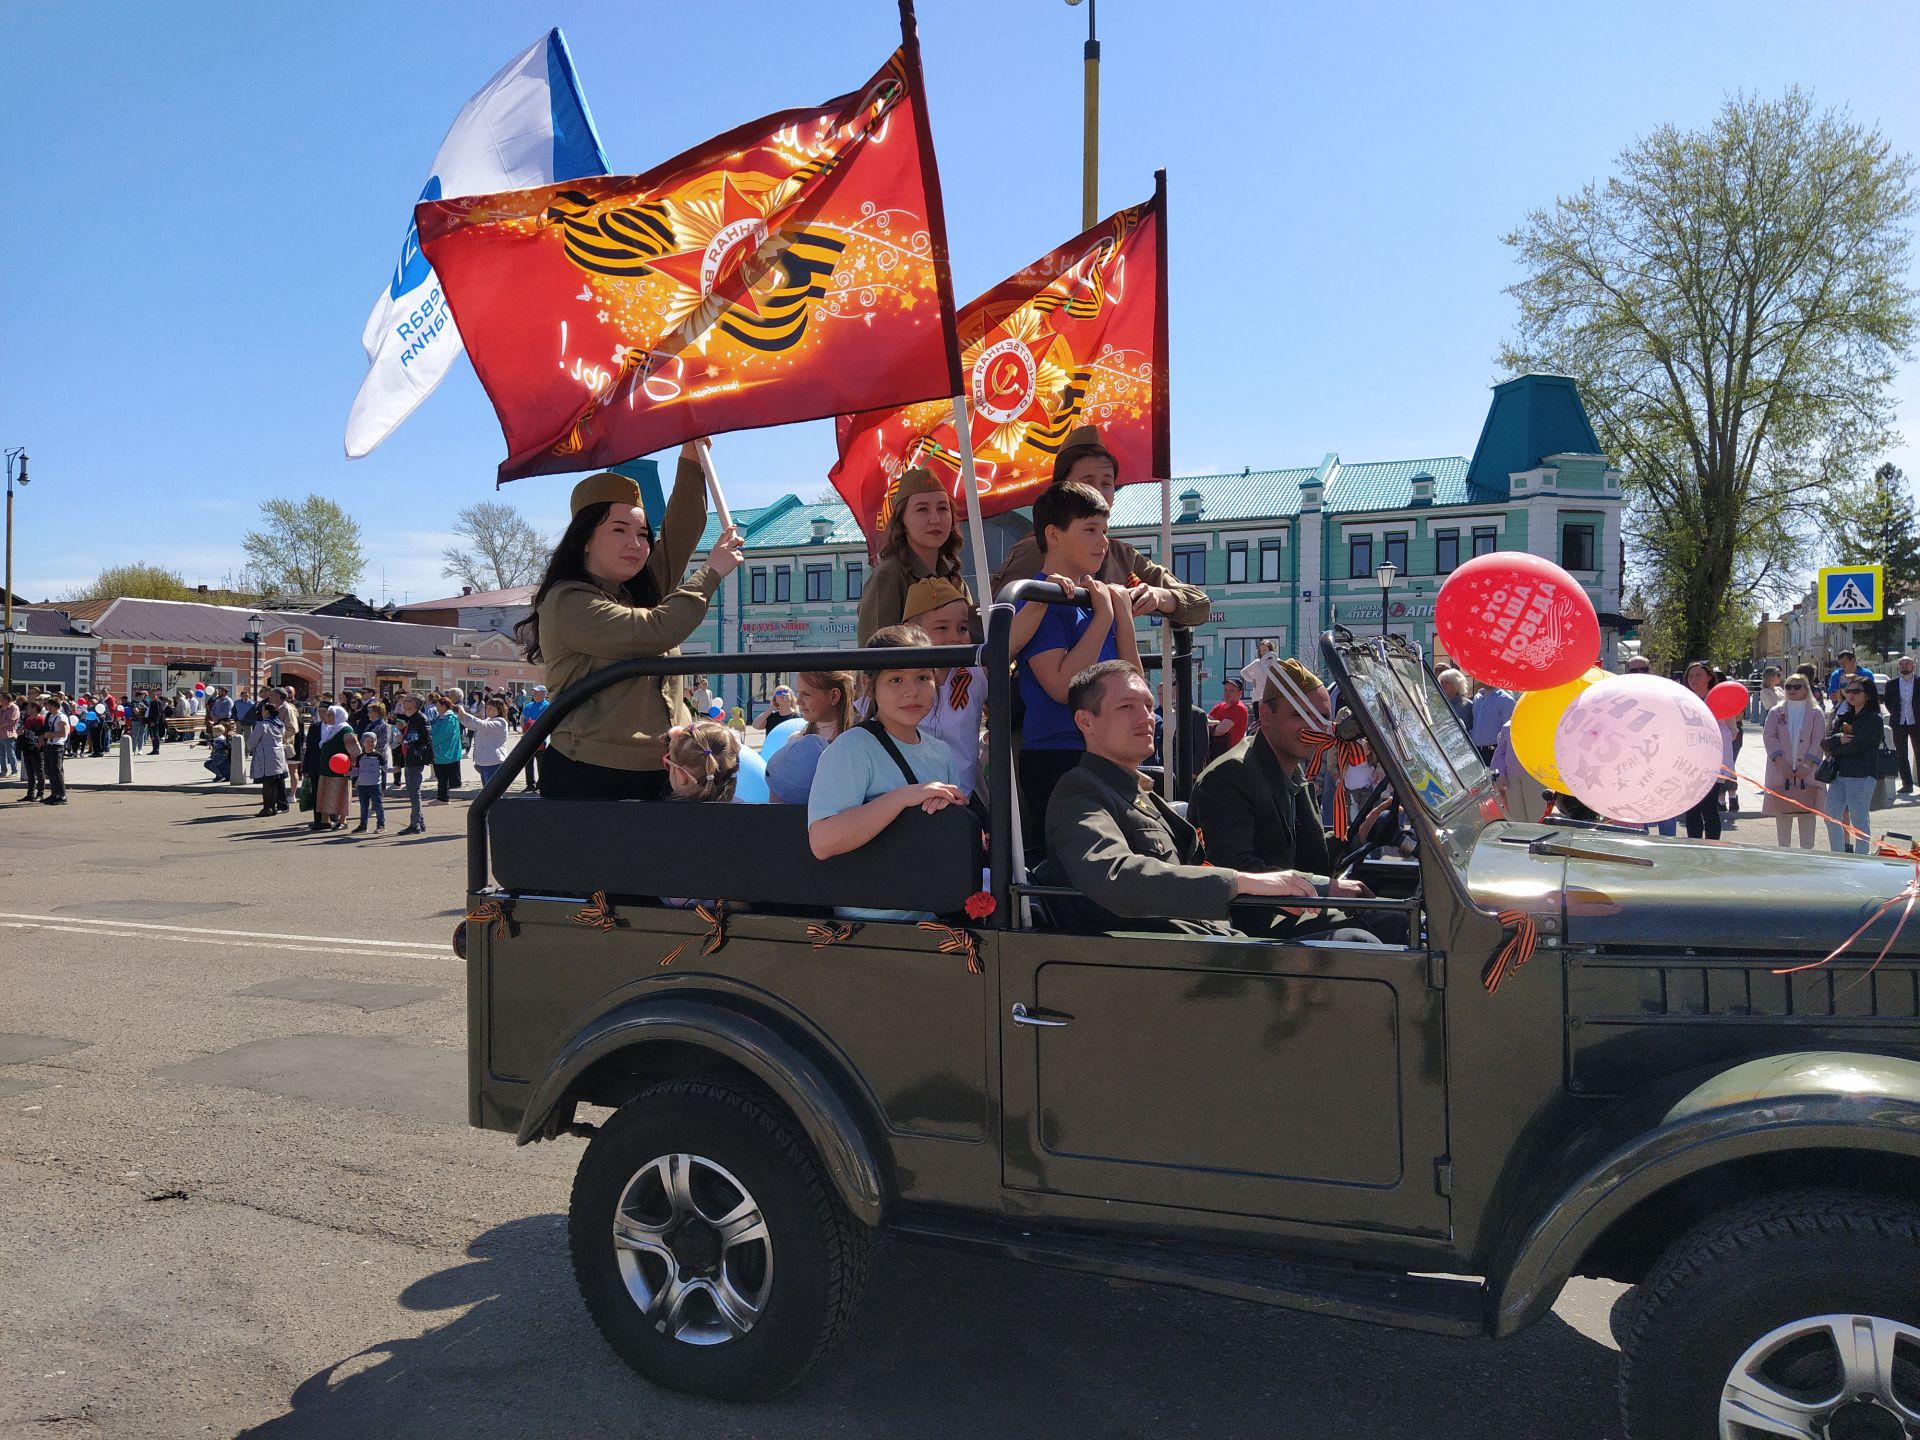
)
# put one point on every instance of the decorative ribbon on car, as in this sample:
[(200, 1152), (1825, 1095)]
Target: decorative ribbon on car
[(1522, 939), (825, 935), (958, 941), (599, 914), (489, 912), (716, 917)]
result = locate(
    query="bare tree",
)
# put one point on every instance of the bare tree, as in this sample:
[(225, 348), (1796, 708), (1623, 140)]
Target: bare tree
[(502, 549)]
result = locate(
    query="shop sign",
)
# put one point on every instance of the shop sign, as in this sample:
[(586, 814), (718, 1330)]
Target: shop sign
[(48, 669), (478, 670), (1399, 610)]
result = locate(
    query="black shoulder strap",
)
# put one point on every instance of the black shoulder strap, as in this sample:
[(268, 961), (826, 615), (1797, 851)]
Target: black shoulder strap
[(879, 732)]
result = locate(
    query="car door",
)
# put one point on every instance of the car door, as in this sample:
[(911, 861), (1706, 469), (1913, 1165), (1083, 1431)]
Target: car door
[(1300, 1081)]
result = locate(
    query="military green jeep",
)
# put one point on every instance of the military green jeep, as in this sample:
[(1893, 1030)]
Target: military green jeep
[(1434, 1135)]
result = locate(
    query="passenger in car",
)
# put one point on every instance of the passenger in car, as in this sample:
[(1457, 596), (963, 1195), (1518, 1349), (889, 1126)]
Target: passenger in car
[(920, 541), (610, 593), (1151, 590), (943, 610), (703, 764), (882, 767), (1071, 521), (1253, 804), (825, 702), (1123, 847)]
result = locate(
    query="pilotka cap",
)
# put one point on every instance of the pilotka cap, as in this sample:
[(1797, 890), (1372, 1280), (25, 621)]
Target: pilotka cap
[(609, 487)]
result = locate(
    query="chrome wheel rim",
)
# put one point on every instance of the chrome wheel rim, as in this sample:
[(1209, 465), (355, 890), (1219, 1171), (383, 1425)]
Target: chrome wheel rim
[(1827, 1377), (693, 1249)]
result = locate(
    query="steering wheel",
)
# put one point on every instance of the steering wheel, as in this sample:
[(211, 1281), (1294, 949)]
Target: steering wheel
[(1347, 861)]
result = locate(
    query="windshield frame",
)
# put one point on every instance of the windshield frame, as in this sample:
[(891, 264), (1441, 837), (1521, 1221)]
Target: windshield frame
[(1469, 808)]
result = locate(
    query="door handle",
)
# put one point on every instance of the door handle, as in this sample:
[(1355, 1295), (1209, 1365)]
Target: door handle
[(1023, 1016)]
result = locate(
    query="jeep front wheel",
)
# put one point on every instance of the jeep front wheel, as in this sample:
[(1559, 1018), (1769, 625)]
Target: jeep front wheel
[(707, 1244), (1793, 1315)]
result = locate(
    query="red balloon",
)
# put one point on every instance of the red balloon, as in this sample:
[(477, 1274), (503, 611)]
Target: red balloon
[(1517, 621), (339, 764), (1727, 699)]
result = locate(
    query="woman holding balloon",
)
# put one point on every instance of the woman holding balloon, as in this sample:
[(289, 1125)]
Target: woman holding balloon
[(331, 751)]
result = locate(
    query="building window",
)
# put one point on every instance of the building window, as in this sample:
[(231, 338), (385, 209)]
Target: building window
[(1237, 563), (146, 677), (1269, 562), (1360, 557), (1237, 654), (1446, 551), (757, 590), (819, 582), (1577, 548), (1190, 564), (1397, 552), (216, 678), (1485, 539), (293, 644), (856, 582), (783, 585)]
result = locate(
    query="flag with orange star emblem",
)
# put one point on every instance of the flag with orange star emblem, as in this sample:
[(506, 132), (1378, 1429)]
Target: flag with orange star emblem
[(1079, 337), (793, 268)]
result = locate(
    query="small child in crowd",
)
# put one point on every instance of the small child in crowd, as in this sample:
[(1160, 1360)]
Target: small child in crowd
[(944, 611), (882, 767), (825, 702), (703, 764), (366, 783)]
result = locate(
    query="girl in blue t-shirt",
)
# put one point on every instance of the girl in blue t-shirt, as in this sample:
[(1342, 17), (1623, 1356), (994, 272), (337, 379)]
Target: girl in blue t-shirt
[(1070, 523), (861, 785)]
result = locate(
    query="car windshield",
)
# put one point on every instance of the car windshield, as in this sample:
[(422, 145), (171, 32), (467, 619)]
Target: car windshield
[(1410, 713)]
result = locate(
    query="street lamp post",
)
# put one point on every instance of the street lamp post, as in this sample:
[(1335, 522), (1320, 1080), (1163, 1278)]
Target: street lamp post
[(252, 637), (1384, 574), (1090, 162), (6, 639), (333, 644)]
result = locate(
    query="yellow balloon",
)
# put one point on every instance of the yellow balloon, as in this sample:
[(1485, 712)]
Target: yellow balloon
[(1536, 715)]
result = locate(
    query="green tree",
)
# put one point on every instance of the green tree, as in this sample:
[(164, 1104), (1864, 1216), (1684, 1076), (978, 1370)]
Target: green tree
[(306, 547), (502, 549), (1733, 303), (1875, 524), (136, 582)]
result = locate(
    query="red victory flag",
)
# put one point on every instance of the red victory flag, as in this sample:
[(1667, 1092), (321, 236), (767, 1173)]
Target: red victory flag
[(1079, 337), (791, 269)]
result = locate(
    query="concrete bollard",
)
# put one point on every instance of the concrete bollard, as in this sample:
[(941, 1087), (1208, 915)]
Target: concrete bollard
[(126, 760)]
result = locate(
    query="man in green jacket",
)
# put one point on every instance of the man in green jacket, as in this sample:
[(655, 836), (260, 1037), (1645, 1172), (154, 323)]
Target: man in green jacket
[(1119, 844)]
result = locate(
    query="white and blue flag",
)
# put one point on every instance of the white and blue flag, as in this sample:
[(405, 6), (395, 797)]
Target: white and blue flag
[(528, 126)]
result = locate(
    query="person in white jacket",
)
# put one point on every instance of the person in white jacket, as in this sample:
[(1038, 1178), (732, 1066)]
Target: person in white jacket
[(490, 737)]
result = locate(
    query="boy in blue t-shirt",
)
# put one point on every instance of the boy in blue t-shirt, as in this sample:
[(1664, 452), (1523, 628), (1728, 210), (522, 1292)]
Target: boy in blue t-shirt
[(1070, 525), (859, 788)]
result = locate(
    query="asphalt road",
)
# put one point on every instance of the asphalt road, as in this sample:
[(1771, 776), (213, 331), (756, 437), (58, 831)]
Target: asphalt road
[(238, 1197)]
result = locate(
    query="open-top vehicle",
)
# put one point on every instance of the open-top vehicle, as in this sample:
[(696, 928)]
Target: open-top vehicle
[(1435, 1135)]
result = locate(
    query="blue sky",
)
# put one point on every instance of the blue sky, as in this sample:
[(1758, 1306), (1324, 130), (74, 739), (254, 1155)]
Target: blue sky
[(202, 200)]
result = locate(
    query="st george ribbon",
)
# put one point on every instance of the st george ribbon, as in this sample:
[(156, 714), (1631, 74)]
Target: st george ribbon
[(528, 125), (1076, 338), (791, 269)]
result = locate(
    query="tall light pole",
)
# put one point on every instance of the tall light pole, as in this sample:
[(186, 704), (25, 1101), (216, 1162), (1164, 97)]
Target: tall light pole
[(6, 640), (1384, 574), (1090, 172), (252, 637), (333, 644)]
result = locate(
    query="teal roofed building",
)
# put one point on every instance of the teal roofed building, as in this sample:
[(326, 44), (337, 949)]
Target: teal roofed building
[(1284, 553)]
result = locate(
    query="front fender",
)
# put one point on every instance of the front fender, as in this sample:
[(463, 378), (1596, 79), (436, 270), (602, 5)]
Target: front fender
[(824, 1111), (1814, 1100)]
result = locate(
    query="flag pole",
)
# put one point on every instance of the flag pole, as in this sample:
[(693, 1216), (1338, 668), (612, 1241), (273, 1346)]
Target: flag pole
[(1169, 717), (705, 446), (977, 533)]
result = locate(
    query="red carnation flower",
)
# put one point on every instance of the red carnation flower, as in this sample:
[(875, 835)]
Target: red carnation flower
[(979, 905)]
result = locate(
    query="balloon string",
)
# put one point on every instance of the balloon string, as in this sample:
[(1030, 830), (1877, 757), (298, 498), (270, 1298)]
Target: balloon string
[(1905, 898)]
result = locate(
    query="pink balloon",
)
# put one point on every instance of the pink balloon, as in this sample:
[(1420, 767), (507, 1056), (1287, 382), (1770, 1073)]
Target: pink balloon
[(1638, 748), (1727, 699), (1517, 621)]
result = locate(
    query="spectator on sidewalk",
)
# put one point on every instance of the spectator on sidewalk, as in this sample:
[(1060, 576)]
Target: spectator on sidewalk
[(156, 721), (529, 713), (490, 737), (9, 734), (54, 755), (33, 732), (267, 744), (415, 747), (447, 748), (368, 771)]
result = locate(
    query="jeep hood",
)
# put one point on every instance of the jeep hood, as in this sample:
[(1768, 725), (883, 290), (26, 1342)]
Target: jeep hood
[(1694, 894)]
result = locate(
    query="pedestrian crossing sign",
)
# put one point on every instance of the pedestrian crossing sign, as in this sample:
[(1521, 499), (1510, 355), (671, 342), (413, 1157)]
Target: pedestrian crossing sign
[(1850, 593)]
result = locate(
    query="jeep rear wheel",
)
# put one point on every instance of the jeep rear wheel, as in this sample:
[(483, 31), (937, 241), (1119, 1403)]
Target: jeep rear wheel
[(707, 1244), (1795, 1315)]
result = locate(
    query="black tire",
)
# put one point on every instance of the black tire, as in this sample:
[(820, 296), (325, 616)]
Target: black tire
[(817, 1251), (1740, 1275)]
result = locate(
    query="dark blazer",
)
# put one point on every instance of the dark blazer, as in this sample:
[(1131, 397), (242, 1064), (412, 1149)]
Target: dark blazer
[(1257, 816), (1131, 855)]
